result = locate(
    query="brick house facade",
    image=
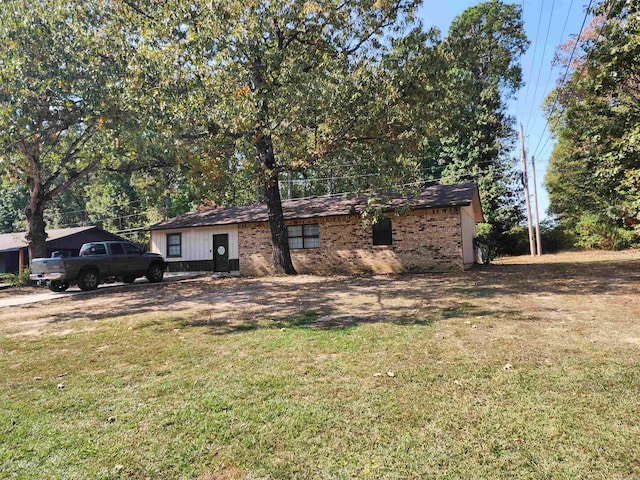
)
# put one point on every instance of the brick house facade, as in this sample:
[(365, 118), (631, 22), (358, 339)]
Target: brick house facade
[(326, 235)]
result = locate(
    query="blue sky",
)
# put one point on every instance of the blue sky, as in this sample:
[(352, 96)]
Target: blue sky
[(544, 22)]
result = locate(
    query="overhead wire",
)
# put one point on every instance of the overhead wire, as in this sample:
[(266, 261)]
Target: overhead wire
[(555, 100), (564, 28), (535, 49), (544, 51)]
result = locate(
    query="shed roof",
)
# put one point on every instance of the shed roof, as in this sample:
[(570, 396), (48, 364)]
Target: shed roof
[(432, 197), (17, 240)]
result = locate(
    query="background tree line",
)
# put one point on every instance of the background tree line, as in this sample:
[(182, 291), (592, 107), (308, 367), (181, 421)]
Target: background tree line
[(594, 170), (121, 112)]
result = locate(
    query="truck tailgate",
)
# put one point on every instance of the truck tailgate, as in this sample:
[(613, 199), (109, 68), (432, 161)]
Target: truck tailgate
[(47, 265)]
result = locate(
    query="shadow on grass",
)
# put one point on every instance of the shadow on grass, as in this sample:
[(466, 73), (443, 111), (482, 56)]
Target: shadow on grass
[(317, 302), (313, 320)]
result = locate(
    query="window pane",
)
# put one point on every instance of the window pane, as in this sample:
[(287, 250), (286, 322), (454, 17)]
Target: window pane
[(294, 231), (131, 249), (173, 239), (173, 251), (311, 230), (295, 242), (311, 242), (98, 249), (382, 232), (117, 249)]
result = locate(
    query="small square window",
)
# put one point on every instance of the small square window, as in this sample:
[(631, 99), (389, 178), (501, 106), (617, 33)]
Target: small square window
[(174, 245), (383, 232), (304, 236)]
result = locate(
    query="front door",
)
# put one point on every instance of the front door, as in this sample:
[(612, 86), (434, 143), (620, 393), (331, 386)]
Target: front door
[(221, 253)]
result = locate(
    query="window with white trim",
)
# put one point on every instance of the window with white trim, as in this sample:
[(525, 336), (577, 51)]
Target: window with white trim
[(174, 244), (303, 236)]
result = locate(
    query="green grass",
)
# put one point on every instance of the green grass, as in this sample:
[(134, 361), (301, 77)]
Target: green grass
[(166, 395)]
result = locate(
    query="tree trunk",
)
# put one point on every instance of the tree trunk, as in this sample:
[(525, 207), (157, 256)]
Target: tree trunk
[(281, 258), (36, 235)]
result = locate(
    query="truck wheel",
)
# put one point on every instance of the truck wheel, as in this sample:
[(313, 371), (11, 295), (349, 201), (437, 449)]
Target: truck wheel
[(88, 280), (128, 279), (155, 273), (58, 285)]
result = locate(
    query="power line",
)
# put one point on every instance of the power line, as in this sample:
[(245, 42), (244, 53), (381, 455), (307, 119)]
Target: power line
[(544, 51), (535, 49), (555, 100), (564, 28)]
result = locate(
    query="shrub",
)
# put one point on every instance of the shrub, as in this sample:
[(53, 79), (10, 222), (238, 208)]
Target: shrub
[(593, 232), (485, 242), (556, 237), (16, 279)]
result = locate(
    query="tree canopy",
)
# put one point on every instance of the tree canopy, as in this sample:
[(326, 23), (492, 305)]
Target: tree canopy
[(594, 169), (147, 109)]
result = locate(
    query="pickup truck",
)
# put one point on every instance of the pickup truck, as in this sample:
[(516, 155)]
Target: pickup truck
[(96, 263)]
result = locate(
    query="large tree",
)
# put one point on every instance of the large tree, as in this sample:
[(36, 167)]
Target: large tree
[(283, 82), (482, 54), (60, 78), (594, 169)]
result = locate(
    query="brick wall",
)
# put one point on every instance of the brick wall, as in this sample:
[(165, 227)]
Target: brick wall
[(427, 239)]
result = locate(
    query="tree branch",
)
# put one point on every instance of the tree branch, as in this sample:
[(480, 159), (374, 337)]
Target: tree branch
[(71, 180), (137, 9)]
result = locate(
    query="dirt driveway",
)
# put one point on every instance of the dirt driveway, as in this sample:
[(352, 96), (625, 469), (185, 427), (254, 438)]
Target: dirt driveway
[(597, 294)]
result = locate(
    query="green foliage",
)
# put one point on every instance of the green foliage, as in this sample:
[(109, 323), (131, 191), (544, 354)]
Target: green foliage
[(13, 199), (594, 169), (16, 279), (594, 232), (61, 77), (556, 236), (475, 134), (167, 106), (486, 242)]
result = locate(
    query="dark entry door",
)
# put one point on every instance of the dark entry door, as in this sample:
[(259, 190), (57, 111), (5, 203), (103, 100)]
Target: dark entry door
[(221, 253)]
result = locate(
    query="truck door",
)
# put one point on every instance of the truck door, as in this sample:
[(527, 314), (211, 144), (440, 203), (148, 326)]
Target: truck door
[(119, 261), (137, 262)]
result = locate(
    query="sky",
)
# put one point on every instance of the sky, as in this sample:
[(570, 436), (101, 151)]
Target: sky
[(548, 24)]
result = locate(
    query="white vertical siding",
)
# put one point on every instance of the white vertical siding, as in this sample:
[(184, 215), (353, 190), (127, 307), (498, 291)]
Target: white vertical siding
[(468, 225), (197, 243)]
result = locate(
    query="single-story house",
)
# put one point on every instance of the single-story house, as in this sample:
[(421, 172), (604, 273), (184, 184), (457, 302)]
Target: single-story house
[(431, 231), (14, 252)]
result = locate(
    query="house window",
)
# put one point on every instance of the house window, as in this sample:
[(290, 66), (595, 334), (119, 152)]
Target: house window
[(303, 236), (382, 232), (174, 244)]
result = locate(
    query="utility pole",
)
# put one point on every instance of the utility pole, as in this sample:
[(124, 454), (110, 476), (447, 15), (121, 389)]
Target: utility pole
[(289, 184), (535, 202), (525, 182)]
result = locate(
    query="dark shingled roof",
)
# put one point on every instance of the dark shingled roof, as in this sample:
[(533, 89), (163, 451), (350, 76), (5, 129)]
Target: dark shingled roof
[(17, 240), (432, 197)]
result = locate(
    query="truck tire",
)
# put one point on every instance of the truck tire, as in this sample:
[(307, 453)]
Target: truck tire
[(88, 280), (58, 285), (155, 272), (128, 279)]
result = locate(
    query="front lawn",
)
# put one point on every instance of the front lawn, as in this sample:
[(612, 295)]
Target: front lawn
[(512, 371)]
